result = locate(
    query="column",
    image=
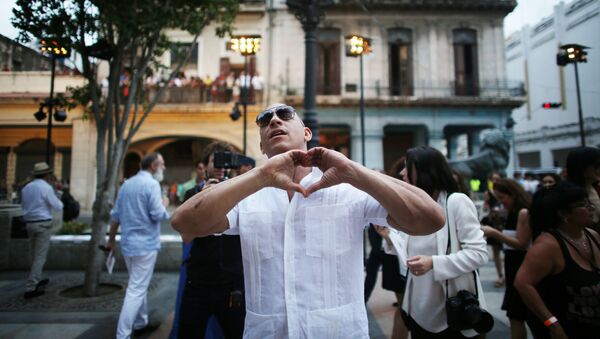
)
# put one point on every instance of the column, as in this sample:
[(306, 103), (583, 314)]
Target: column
[(11, 170), (437, 141), (58, 164), (474, 140), (452, 145)]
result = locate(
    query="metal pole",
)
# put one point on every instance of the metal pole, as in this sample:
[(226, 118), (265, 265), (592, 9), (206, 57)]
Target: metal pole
[(581, 130), (245, 97), (49, 135), (310, 84), (362, 112)]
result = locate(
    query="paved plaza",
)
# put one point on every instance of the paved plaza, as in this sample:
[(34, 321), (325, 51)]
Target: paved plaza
[(55, 315)]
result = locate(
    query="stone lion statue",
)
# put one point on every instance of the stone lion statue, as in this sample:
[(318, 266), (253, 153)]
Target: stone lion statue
[(493, 156)]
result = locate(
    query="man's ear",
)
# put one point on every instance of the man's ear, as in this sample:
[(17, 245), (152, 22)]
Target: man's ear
[(307, 134), (261, 148)]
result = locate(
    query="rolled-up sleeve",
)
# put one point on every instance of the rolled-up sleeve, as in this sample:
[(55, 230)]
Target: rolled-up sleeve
[(53, 201), (158, 212), (114, 213), (233, 219)]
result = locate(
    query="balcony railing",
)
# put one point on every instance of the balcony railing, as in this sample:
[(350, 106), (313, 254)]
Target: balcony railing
[(202, 94), (485, 89)]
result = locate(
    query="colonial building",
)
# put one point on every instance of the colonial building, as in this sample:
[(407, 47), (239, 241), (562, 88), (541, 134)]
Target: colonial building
[(436, 76), (543, 137)]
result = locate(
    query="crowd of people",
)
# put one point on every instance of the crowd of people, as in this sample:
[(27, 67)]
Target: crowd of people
[(226, 87), (276, 251)]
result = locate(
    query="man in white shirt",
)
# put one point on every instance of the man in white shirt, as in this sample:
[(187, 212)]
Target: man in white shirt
[(301, 230), (39, 200)]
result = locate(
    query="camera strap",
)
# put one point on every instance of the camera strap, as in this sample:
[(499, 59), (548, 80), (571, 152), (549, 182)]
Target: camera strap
[(449, 250)]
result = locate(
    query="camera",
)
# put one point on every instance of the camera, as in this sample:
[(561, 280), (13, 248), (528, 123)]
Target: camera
[(463, 313), (226, 160)]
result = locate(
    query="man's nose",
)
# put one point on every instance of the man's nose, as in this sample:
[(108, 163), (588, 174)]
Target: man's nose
[(275, 120)]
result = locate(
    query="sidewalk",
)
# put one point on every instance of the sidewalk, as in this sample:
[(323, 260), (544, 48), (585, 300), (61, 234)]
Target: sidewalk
[(54, 316)]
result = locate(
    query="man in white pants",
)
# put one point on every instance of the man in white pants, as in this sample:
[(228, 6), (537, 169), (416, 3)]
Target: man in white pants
[(138, 210)]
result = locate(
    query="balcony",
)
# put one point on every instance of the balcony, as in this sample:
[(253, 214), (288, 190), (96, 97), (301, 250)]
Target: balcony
[(486, 93), (200, 95)]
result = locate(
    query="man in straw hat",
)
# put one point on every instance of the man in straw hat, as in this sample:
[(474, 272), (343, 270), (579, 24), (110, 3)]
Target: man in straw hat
[(39, 200)]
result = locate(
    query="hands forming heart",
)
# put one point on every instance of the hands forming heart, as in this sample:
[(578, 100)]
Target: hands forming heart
[(281, 169)]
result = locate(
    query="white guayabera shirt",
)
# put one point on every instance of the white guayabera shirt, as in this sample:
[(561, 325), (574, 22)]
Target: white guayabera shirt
[(303, 260)]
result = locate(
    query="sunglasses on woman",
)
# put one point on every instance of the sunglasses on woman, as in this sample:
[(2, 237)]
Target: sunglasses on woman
[(283, 112)]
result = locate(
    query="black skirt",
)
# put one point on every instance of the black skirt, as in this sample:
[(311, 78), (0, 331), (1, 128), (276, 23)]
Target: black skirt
[(392, 279)]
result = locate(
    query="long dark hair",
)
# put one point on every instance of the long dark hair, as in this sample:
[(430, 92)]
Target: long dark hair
[(433, 172), (579, 160), (521, 199), (547, 205), (397, 167)]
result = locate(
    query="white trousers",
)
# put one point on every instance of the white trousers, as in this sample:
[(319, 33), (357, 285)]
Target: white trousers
[(134, 314), (39, 241)]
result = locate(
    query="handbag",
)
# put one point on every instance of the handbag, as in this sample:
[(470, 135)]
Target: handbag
[(463, 311)]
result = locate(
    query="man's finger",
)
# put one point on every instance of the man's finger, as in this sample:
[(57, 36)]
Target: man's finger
[(315, 187), (298, 188)]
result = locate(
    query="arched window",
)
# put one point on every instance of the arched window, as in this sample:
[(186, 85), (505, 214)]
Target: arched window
[(401, 72), (465, 62), (328, 80)]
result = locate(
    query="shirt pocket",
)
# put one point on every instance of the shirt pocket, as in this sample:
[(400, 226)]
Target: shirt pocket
[(328, 230), (257, 234), (259, 326), (340, 322)]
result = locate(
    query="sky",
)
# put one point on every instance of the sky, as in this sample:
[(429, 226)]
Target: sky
[(527, 12)]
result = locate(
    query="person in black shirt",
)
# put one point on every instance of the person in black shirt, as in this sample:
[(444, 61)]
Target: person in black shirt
[(200, 181), (215, 281)]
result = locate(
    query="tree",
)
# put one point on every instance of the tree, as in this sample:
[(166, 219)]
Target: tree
[(130, 36)]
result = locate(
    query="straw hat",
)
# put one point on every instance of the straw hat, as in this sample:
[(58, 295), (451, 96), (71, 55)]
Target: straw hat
[(41, 168)]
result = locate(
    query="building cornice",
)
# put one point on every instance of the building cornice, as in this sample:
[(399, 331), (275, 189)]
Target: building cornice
[(505, 6)]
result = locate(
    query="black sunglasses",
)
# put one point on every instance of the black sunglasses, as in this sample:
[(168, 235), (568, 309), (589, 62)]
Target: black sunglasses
[(283, 112)]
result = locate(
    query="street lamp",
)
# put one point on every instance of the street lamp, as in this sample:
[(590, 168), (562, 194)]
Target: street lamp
[(246, 45), (356, 46), (56, 48), (573, 54), (310, 13)]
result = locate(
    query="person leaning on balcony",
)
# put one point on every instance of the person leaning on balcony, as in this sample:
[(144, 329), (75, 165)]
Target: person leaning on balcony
[(301, 217), (39, 200)]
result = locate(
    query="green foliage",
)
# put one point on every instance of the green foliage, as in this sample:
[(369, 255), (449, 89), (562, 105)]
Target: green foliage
[(73, 227)]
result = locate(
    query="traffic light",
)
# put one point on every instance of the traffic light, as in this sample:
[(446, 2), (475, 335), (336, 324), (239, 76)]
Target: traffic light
[(550, 105)]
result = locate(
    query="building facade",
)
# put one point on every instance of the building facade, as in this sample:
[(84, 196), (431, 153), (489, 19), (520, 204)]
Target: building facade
[(543, 137), (436, 77)]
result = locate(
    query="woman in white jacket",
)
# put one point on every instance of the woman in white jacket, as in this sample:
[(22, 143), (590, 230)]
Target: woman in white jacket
[(429, 265)]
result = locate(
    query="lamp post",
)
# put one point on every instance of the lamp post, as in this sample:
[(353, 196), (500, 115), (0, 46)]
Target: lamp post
[(310, 13), (574, 54), (56, 49), (356, 46), (246, 45)]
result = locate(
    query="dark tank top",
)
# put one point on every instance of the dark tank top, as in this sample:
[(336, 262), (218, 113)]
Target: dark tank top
[(573, 295)]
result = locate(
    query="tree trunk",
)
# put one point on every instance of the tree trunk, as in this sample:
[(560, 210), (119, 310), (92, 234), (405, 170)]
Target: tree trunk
[(105, 197)]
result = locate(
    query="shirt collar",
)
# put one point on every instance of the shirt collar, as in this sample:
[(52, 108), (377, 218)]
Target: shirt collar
[(145, 173)]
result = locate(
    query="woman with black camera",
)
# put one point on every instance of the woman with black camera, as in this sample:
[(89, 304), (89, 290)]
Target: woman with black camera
[(442, 263), (560, 276)]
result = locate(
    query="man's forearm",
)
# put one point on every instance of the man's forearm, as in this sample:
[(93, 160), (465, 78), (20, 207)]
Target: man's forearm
[(114, 226), (204, 213), (410, 209)]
